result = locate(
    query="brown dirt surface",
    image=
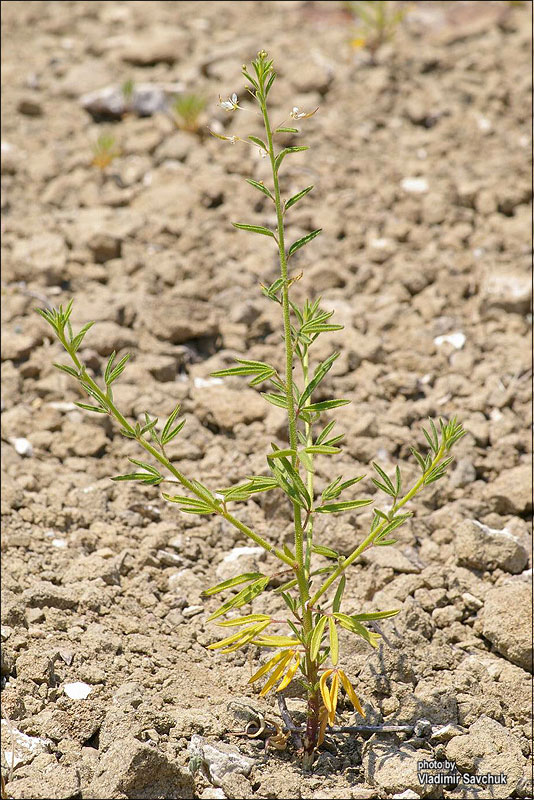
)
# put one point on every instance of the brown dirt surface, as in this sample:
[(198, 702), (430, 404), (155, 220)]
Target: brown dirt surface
[(421, 169)]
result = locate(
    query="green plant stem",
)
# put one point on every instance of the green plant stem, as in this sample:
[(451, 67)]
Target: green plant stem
[(163, 460), (292, 420), (376, 532), (309, 473)]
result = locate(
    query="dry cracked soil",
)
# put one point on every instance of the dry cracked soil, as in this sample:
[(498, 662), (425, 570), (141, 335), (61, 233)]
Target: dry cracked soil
[(420, 162)]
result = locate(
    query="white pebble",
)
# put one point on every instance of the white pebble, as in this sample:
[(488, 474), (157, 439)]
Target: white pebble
[(59, 543), (202, 383), (192, 611), (22, 446), (415, 185), (77, 690), (456, 339), (239, 552)]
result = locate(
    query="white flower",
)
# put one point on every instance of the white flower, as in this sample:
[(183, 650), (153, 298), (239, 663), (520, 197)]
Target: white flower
[(297, 114), (229, 105)]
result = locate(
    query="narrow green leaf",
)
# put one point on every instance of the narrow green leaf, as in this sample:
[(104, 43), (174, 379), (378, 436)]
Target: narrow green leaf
[(259, 142), (319, 374), (283, 153), (374, 615), (148, 467), (282, 453), (69, 370), (324, 405), (325, 551), (287, 130), (301, 242), (246, 577), (254, 229), (119, 369), (275, 399), (334, 642), (260, 187), (322, 449), (316, 638), (246, 595), (77, 340), (336, 605), (96, 409), (269, 83), (236, 622), (306, 460), (332, 508), (297, 197), (387, 481), (354, 626)]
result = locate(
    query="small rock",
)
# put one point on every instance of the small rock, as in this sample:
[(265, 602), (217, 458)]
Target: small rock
[(37, 666), (129, 694), (457, 340), (107, 336), (45, 780), (509, 290), (221, 760), (104, 246), (29, 107), (77, 690), (26, 748), (446, 732), (211, 793), (507, 622), (390, 557), (156, 46), (409, 794), (488, 747), (44, 594), (44, 255), (471, 602), (379, 250), (463, 474), (11, 158), (481, 547), (511, 491), (181, 320), (22, 446), (415, 185), (146, 100), (226, 408), (393, 767), (129, 768), (192, 611)]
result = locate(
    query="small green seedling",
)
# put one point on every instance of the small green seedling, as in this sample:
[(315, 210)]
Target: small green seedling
[(188, 110), (379, 20), (301, 639), (127, 89), (105, 150)]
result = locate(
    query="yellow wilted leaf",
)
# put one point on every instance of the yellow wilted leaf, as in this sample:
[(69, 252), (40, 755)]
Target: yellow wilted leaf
[(275, 641), (347, 685), (325, 694), (334, 691), (334, 643), (277, 673), (266, 667), (241, 637), (288, 677), (323, 721)]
